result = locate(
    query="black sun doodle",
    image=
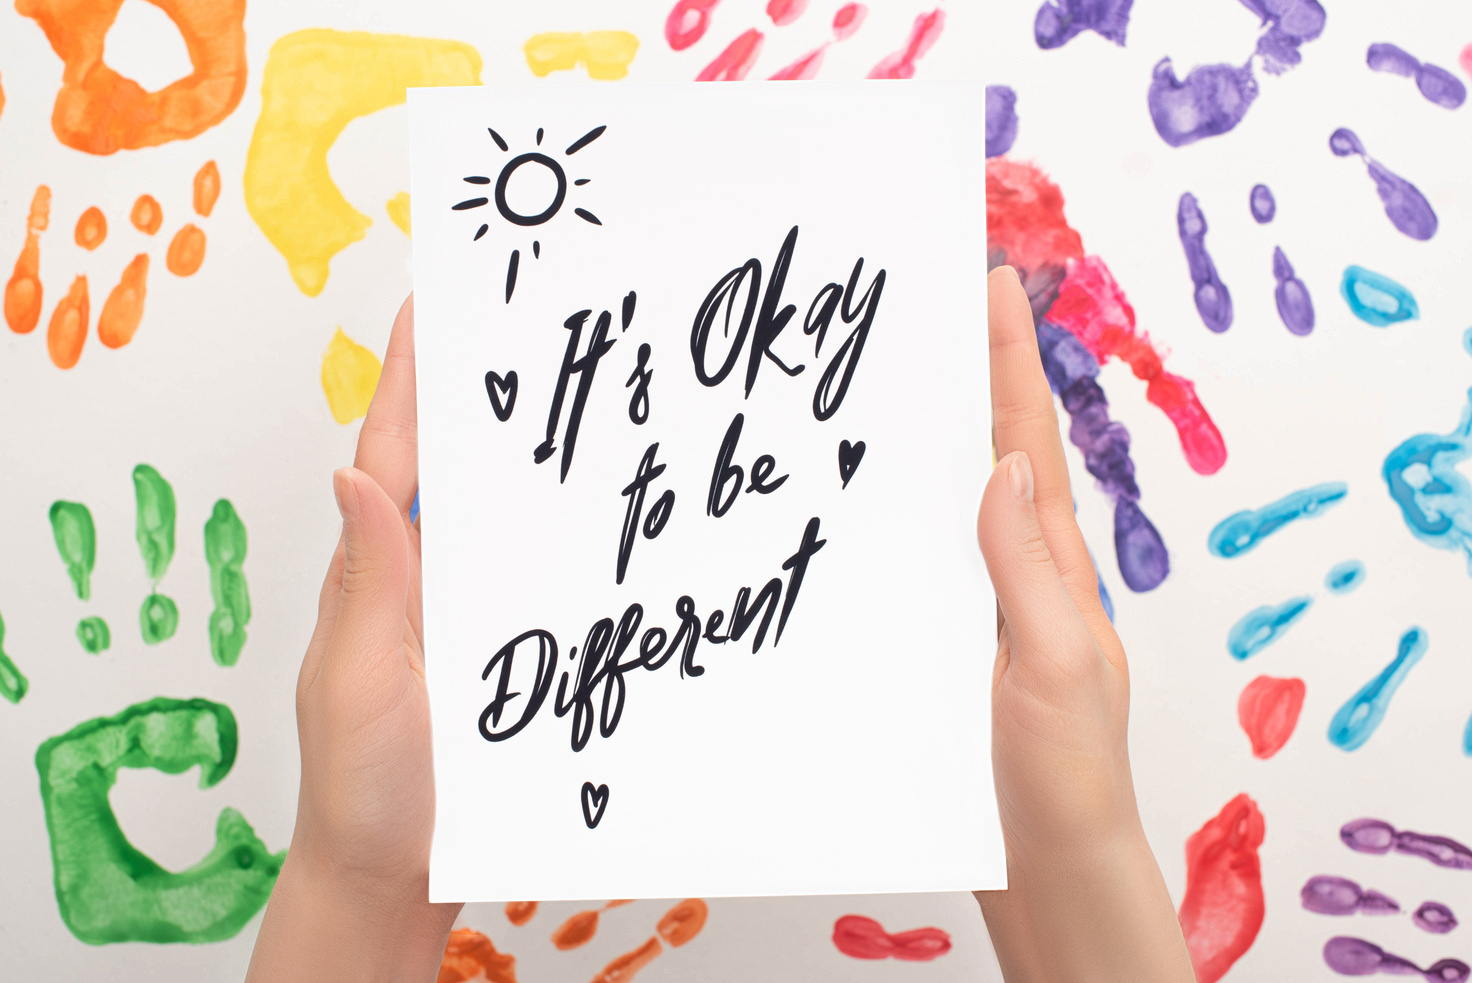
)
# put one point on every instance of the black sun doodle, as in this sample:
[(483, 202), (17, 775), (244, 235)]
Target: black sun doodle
[(546, 214)]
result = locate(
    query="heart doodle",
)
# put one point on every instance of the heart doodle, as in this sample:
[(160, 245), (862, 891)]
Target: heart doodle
[(849, 456), (495, 388), (595, 800)]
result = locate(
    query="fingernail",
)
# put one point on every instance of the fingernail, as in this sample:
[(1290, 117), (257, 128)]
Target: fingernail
[(346, 493), (1020, 474)]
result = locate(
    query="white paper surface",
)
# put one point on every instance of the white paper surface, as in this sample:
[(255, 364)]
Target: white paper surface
[(851, 755)]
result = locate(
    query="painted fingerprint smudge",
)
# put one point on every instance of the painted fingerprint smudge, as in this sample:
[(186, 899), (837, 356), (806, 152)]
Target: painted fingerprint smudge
[(23, 291), (13, 682), (1467, 341), (1072, 372), (1345, 577), (159, 616), (1001, 120), (314, 84), (224, 551), (1213, 302), (349, 377), (91, 229), (678, 926), (106, 889), (784, 12), (1376, 299), (1262, 626), (1436, 83), (1352, 726), (864, 938), (469, 955), (848, 20), (1434, 917), (1268, 712), (924, 33), (1434, 498), (99, 111), (1060, 21), (1242, 531), (607, 54), (1295, 306), (1262, 204), (1328, 895), (1467, 739), (67, 332), (687, 22), (1405, 206), (1213, 99), (76, 541), (732, 64), (1357, 957), (1379, 837), (94, 635), (122, 312), (1222, 910), (521, 912)]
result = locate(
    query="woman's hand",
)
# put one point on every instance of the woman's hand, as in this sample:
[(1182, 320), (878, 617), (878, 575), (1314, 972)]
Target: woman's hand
[(350, 901), (1086, 900)]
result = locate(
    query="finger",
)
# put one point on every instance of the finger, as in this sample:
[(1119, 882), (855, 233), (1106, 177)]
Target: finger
[(329, 600), (1024, 418), (375, 572), (388, 444), (1044, 628)]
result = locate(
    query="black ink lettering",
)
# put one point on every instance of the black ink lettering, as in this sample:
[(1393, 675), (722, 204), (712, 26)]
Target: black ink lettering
[(770, 321), (761, 470), (634, 491), (711, 624), (546, 667), (502, 393), (595, 800), (742, 616), (659, 515), (649, 646), (826, 398), (724, 290), (639, 402), (583, 367), (849, 456), (798, 564), (829, 297), (629, 301), (687, 635), (725, 472)]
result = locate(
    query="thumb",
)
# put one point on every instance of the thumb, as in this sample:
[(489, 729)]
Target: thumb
[(1039, 613), (375, 574)]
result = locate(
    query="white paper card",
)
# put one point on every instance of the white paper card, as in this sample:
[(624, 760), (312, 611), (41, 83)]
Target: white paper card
[(703, 424)]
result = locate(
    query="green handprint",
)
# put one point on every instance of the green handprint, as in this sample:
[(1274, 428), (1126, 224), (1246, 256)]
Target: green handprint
[(76, 541), (106, 889), (224, 551), (13, 682), (158, 618)]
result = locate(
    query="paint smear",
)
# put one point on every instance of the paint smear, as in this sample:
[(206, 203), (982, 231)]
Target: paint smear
[(13, 682), (469, 955), (1223, 907), (1434, 917), (99, 111), (1327, 895), (94, 635), (91, 229), (849, 19), (784, 12), (924, 33), (1352, 726), (206, 189), (399, 212), (864, 938), (1060, 21), (23, 291), (1213, 302), (1357, 957), (106, 889), (1268, 712), (607, 54), (1345, 577), (1262, 204), (224, 551), (316, 82), (1262, 626), (1295, 306), (1241, 532), (578, 930), (1405, 206), (1209, 101), (1001, 119), (519, 912), (147, 215), (683, 922), (349, 377), (803, 69), (1436, 83), (67, 332), (186, 252), (122, 312), (1467, 739), (76, 541), (1289, 23), (1376, 299), (1379, 837), (687, 22), (1434, 498), (732, 64), (158, 618), (624, 967)]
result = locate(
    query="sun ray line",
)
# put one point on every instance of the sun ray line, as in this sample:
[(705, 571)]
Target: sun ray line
[(477, 179), (469, 203), (586, 216), (582, 181), (500, 142), (540, 131), (585, 139), (511, 273), (480, 232)]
